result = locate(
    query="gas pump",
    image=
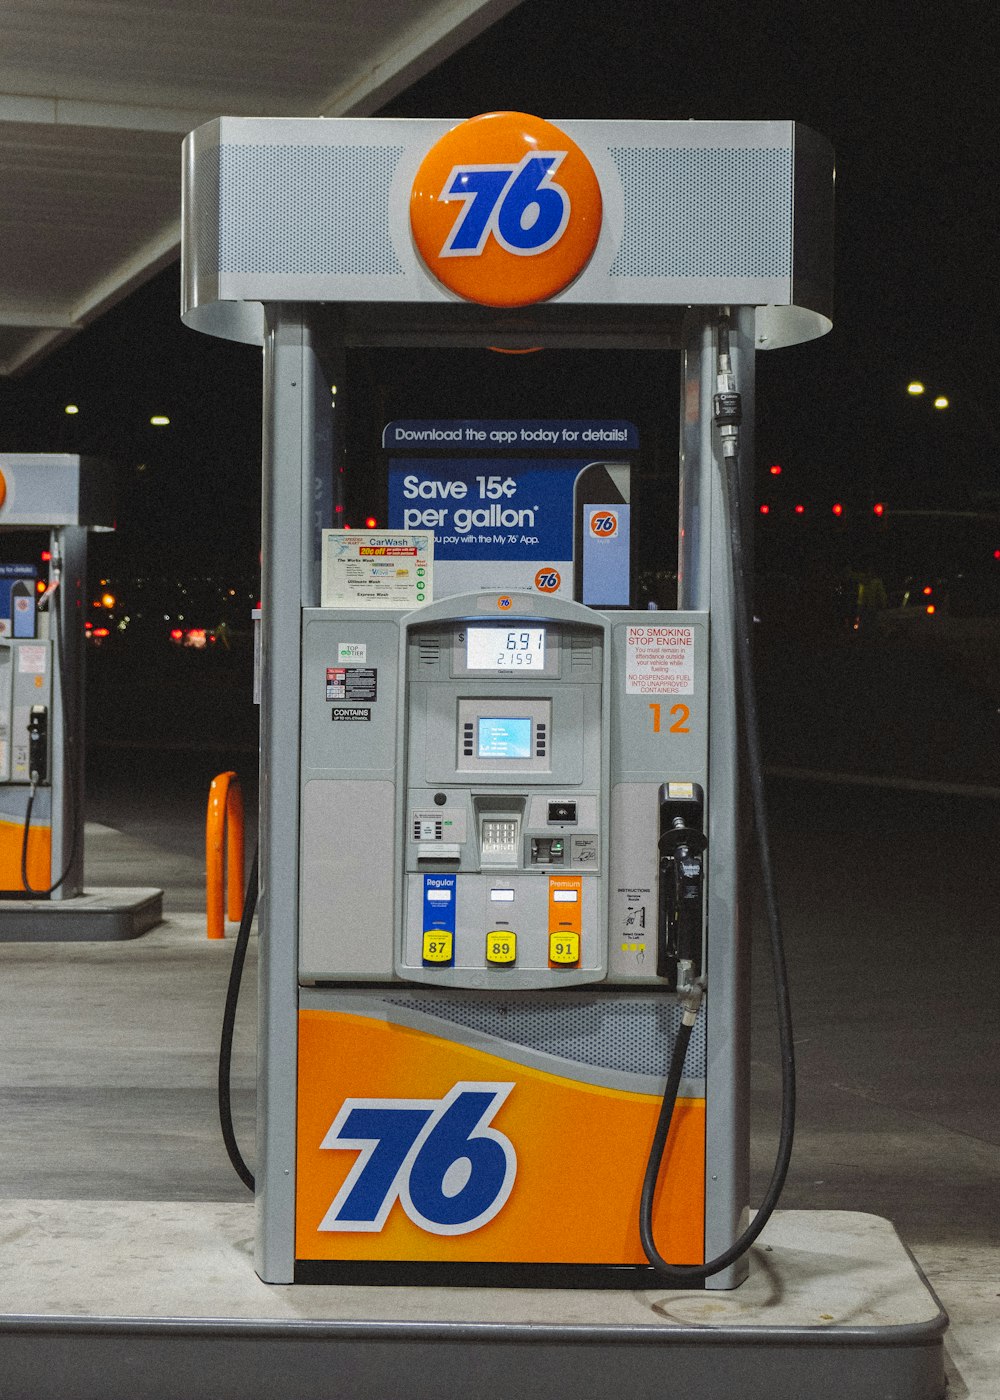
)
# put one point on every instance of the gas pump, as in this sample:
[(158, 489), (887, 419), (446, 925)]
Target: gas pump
[(56, 499), (503, 883), (59, 498)]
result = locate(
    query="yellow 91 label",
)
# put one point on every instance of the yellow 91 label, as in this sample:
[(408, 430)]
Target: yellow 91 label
[(564, 947), (438, 945), (501, 946)]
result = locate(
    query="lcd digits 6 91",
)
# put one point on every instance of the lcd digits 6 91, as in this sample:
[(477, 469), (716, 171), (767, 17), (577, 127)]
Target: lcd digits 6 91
[(505, 649)]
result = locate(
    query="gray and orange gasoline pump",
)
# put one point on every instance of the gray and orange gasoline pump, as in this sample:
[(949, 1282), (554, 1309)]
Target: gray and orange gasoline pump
[(503, 876)]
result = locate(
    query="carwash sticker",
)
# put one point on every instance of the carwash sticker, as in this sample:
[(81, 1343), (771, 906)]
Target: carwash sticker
[(505, 209)]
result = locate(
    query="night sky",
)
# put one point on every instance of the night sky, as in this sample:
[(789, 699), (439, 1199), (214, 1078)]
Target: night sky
[(906, 95)]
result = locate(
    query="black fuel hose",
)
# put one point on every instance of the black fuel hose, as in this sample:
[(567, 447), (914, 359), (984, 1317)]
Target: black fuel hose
[(228, 1026), (697, 1273)]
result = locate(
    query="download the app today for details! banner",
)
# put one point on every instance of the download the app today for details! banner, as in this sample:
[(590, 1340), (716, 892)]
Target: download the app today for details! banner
[(509, 519)]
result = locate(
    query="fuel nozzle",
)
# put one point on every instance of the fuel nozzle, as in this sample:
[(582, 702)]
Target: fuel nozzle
[(727, 403), (38, 749), (682, 844)]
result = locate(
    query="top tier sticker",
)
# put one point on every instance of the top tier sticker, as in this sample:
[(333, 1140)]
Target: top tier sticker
[(505, 210)]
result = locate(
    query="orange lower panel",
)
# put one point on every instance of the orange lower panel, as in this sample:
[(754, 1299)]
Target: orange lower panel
[(39, 861), (576, 1151)]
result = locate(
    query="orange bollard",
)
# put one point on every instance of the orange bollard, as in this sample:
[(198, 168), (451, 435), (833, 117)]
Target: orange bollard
[(224, 820)]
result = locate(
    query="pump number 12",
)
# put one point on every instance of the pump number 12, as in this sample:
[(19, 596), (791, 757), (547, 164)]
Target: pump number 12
[(679, 713)]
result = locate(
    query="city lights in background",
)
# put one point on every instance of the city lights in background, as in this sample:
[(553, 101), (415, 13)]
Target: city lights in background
[(371, 523), (159, 420), (800, 510), (837, 508), (775, 470), (915, 389), (878, 508), (765, 509), (71, 409)]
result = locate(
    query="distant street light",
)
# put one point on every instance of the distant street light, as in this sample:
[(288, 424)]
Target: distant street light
[(71, 408), (160, 420), (914, 387), (941, 401)]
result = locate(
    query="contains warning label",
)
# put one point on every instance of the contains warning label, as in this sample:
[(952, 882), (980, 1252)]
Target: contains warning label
[(351, 712), (351, 683), (659, 661)]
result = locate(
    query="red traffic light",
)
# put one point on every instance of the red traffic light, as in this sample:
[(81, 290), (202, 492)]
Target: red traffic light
[(878, 508), (800, 510), (838, 509), (775, 470), (766, 510), (370, 522)]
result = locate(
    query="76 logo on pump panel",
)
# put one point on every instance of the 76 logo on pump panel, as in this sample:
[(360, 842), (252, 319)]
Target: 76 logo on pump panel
[(505, 210)]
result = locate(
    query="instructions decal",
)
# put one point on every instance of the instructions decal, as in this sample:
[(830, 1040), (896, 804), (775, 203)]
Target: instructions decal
[(659, 661), (633, 920), (351, 683), (377, 568)]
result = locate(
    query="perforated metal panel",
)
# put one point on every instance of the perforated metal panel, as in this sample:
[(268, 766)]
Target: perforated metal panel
[(704, 212), (307, 210), (630, 1034)]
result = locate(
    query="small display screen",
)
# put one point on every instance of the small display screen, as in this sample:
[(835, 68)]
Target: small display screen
[(505, 648), (504, 738)]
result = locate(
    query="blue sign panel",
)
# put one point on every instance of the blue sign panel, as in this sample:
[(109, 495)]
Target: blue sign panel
[(508, 520)]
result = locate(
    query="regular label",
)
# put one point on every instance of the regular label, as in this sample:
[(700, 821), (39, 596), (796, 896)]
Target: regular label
[(659, 661), (350, 712)]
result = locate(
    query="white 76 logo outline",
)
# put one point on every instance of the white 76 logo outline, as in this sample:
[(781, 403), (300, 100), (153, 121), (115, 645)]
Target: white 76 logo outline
[(413, 1151), (498, 198)]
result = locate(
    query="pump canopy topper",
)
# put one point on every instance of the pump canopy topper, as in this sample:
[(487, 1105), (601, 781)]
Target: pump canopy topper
[(505, 210)]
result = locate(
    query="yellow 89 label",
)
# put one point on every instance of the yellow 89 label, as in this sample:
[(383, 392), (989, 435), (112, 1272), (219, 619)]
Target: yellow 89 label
[(501, 946)]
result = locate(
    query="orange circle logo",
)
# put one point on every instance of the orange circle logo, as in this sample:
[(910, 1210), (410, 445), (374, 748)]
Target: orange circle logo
[(604, 524), (505, 210), (547, 580), (504, 603), (3, 488)]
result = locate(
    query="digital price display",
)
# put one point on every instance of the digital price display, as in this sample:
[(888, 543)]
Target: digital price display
[(505, 649), (504, 738)]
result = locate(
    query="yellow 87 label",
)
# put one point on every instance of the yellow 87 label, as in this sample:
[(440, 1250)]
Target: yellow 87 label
[(438, 945)]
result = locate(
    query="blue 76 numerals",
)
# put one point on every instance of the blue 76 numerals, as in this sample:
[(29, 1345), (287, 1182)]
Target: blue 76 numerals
[(449, 1170), (521, 205)]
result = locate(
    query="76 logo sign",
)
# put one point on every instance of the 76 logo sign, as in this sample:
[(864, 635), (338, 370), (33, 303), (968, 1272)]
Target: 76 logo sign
[(521, 205), (448, 1169)]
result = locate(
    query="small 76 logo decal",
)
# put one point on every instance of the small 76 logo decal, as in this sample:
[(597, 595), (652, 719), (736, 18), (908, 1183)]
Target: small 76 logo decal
[(450, 1172)]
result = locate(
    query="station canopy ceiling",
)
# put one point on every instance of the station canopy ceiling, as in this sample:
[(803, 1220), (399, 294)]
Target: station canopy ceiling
[(96, 96)]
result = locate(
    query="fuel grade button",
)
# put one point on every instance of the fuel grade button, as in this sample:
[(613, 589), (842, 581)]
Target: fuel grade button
[(501, 947), (439, 945), (564, 949)]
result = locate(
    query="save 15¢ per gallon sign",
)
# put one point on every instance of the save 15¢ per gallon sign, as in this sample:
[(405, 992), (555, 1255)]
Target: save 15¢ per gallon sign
[(508, 521)]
